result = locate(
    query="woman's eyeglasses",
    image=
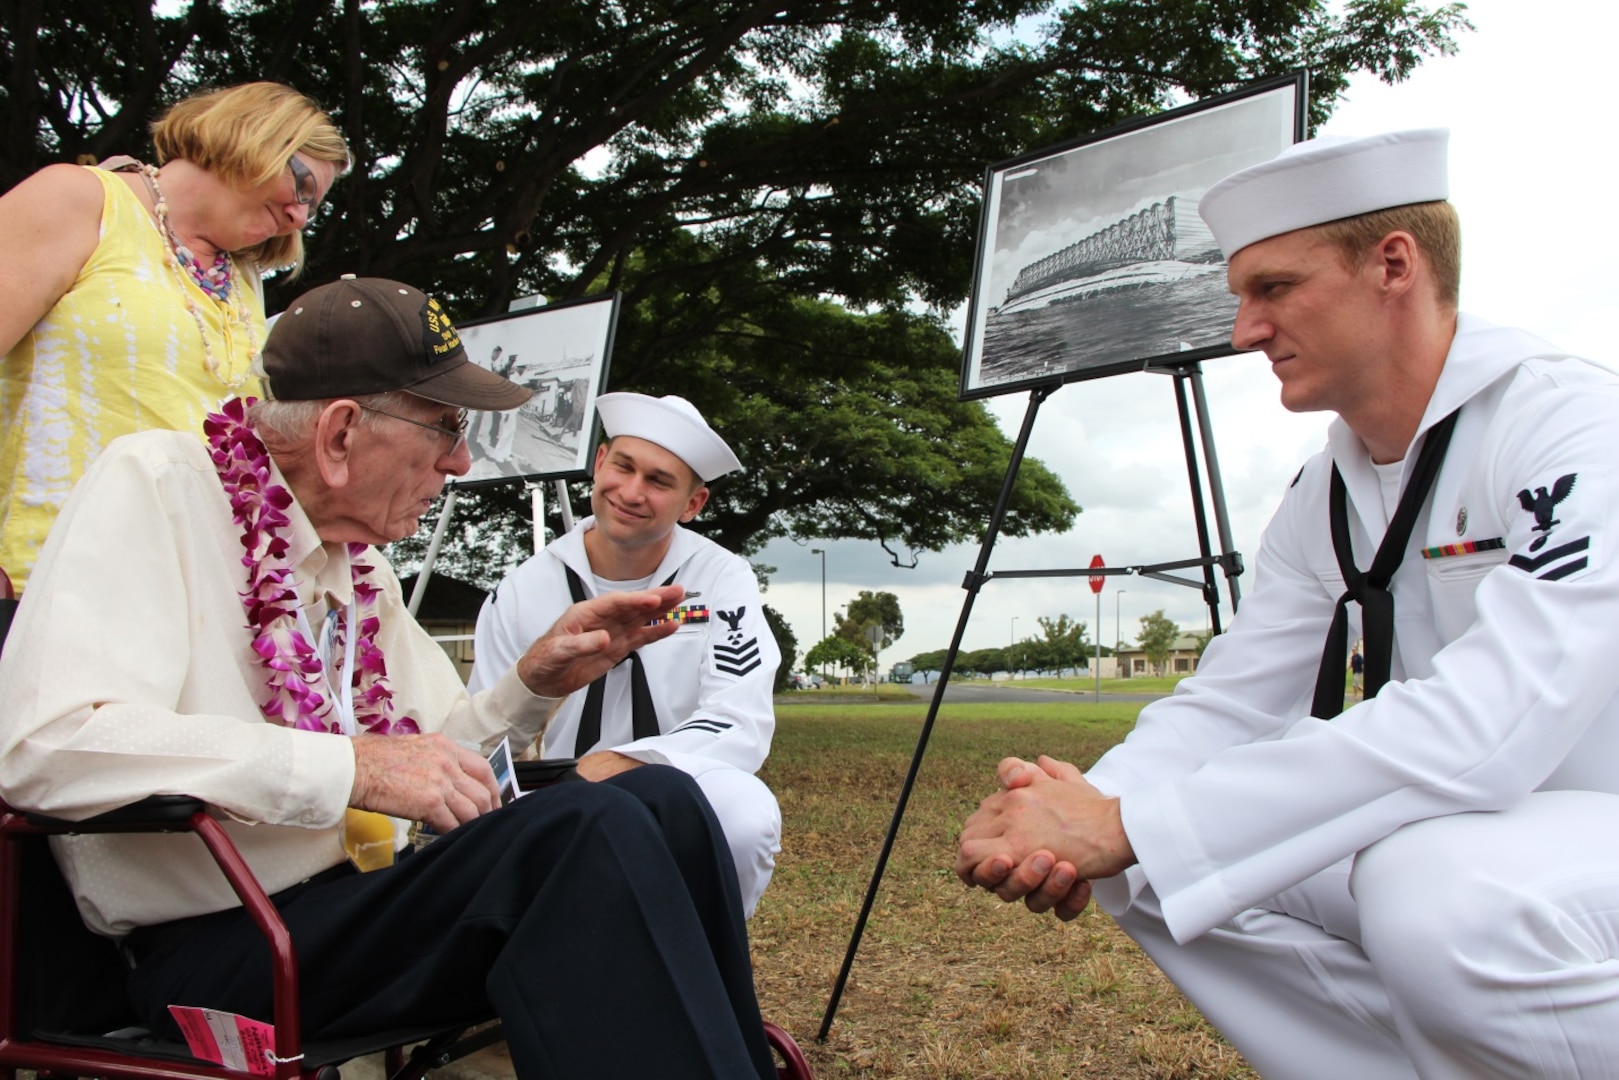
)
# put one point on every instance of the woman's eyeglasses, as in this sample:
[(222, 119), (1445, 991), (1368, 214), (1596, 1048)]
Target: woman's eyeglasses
[(306, 189)]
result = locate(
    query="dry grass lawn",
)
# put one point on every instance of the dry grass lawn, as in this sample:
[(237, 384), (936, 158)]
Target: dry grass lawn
[(949, 984)]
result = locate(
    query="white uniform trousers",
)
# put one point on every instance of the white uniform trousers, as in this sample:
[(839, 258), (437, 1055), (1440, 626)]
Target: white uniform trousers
[(1467, 947), (751, 819)]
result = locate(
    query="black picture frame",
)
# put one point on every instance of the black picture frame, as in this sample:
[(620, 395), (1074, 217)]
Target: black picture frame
[(562, 352), (1092, 260)]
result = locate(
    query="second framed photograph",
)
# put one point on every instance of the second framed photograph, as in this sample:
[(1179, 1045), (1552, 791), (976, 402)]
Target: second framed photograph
[(560, 352), (1092, 258)]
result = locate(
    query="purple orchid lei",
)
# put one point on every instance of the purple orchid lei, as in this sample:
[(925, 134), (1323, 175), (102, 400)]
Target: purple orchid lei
[(295, 676)]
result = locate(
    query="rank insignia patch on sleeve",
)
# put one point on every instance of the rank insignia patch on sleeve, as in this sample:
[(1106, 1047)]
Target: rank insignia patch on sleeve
[(1543, 504), (1560, 560), (1557, 562), (735, 653)]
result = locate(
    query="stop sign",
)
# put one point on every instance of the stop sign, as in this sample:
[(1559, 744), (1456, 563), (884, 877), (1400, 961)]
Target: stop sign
[(1097, 579)]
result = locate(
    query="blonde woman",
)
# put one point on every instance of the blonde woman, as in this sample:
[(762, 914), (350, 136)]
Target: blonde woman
[(132, 297)]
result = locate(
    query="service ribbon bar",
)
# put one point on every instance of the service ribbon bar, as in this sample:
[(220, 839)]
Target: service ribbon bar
[(687, 613), (1466, 548)]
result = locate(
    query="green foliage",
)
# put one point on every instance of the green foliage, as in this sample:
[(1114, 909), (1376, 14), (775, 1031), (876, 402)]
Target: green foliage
[(868, 611), (1157, 640), (490, 532), (982, 662), (853, 429), (841, 653), (785, 194), (1064, 644), (786, 641)]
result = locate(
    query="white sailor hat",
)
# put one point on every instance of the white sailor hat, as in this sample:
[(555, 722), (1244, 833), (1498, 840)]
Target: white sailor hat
[(1325, 179), (674, 424)]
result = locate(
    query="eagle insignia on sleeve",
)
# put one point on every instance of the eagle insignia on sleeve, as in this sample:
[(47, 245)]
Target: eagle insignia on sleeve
[(734, 652), (1555, 563), (1543, 505)]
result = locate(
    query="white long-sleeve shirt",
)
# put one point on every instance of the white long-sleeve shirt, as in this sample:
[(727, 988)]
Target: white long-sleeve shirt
[(1504, 667), (129, 672)]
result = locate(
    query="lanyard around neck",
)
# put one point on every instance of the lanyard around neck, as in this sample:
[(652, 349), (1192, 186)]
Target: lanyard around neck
[(341, 696)]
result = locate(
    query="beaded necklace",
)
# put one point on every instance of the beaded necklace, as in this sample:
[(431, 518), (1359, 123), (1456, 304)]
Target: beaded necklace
[(295, 674), (214, 280)]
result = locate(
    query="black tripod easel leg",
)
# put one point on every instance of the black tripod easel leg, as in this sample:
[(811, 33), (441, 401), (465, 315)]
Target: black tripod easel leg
[(1211, 590), (1230, 560), (974, 582)]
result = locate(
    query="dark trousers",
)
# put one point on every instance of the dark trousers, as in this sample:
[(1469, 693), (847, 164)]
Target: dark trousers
[(601, 922)]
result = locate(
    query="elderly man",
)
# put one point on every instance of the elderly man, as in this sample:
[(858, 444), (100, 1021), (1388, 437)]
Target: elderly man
[(209, 619), (1427, 884), (700, 701)]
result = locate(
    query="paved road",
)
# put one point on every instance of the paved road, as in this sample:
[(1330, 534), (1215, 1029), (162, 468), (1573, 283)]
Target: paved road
[(983, 690)]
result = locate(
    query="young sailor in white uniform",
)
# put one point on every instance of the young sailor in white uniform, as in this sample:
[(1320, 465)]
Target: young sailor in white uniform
[(1428, 883), (699, 700)]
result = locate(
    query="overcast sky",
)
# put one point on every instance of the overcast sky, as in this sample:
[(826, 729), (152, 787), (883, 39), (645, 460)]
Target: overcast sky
[(1525, 99)]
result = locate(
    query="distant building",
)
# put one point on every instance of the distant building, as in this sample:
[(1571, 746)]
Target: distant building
[(1182, 659)]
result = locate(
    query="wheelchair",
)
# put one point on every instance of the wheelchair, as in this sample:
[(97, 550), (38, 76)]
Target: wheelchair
[(63, 1012)]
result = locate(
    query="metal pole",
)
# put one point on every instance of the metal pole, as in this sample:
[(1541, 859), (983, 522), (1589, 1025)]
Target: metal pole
[(1211, 593), (1011, 643), (1116, 639), (431, 557), (1222, 520), (1098, 625), (536, 496), (822, 553), (562, 505), (975, 581)]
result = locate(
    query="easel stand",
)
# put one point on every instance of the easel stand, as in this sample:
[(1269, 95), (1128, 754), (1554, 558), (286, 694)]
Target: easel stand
[(1185, 375), (538, 493)]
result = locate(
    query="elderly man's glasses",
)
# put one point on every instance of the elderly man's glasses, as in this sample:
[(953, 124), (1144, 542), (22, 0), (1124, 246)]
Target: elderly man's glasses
[(306, 189), (456, 434)]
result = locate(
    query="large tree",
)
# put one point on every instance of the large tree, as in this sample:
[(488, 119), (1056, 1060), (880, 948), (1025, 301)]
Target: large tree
[(785, 193)]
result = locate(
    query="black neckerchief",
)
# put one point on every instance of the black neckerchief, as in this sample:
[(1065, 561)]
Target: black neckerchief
[(643, 714), (1371, 589)]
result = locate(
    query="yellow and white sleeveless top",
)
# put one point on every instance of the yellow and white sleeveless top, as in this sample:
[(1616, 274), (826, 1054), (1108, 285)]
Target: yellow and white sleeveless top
[(120, 352)]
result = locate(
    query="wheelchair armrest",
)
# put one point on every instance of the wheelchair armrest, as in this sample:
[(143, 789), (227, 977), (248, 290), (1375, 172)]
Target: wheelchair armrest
[(182, 813), (155, 813), (532, 775)]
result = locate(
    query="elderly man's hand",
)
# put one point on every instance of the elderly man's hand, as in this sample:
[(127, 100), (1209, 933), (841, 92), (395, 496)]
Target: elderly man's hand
[(1043, 837), (592, 636), (422, 778)]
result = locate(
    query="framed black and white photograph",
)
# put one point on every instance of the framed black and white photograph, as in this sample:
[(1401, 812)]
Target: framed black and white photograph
[(561, 352), (1092, 259)]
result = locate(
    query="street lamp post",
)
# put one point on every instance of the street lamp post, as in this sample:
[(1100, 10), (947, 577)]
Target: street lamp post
[(1011, 643), (1116, 638), (822, 553)]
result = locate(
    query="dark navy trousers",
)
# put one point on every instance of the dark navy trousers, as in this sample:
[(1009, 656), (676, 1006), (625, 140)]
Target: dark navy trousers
[(600, 921)]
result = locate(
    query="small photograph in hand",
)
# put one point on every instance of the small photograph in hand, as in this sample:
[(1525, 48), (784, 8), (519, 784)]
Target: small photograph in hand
[(500, 760)]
